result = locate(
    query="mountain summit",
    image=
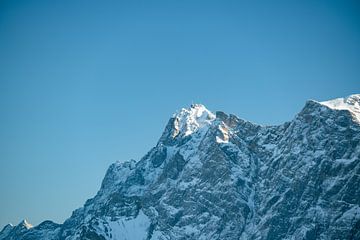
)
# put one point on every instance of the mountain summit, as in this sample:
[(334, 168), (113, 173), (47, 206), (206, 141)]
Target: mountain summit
[(216, 176), (351, 104)]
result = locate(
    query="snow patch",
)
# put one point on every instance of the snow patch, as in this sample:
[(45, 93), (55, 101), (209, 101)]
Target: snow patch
[(132, 229), (345, 161)]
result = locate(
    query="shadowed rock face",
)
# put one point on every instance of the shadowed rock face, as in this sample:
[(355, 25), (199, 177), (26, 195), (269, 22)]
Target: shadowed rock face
[(220, 177)]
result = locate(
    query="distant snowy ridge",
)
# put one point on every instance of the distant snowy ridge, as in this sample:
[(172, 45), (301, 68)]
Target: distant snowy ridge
[(216, 176)]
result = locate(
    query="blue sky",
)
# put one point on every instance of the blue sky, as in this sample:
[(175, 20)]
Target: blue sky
[(86, 83)]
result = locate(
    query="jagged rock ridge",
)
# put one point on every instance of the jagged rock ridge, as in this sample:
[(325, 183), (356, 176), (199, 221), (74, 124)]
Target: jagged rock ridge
[(215, 176)]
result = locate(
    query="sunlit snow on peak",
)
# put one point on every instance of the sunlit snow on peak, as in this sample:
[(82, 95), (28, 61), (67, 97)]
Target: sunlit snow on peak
[(26, 224), (189, 120), (350, 103)]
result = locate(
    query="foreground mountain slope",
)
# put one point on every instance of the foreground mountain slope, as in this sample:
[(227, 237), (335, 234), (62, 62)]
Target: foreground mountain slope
[(215, 176)]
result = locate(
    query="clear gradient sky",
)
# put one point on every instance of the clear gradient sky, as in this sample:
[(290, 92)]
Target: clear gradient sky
[(86, 83)]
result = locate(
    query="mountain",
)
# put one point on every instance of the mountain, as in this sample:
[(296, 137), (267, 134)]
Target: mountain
[(216, 176)]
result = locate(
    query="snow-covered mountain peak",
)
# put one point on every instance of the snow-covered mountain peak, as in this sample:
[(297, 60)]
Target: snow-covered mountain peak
[(189, 120), (25, 224), (350, 103)]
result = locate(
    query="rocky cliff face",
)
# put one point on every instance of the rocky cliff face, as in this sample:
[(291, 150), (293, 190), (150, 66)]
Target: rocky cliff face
[(215, 176)]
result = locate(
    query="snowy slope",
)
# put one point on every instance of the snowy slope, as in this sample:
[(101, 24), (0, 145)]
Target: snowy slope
[(215, 176)]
